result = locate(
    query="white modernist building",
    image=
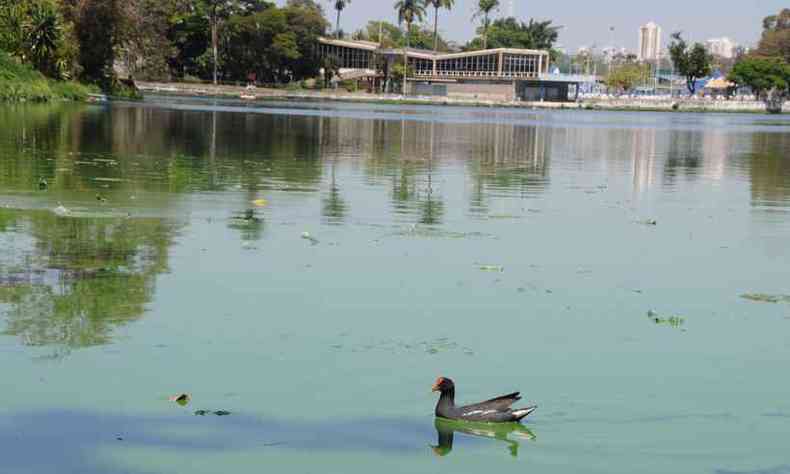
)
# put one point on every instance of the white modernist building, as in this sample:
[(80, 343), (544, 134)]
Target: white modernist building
[(649, 42)]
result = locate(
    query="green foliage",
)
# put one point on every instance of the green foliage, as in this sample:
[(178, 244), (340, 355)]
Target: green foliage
[(36, 32), (393, 37), (511, 33), (692, 62), (626, 76), (775, 40), (484, 9), (20, 82), (410, 11), (769, 78), (437, 4)]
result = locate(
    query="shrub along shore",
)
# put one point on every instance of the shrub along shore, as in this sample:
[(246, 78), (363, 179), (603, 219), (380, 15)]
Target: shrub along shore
[(22, 83)]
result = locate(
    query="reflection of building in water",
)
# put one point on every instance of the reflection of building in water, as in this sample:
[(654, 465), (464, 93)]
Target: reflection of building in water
[(716, 146), (643, 154)]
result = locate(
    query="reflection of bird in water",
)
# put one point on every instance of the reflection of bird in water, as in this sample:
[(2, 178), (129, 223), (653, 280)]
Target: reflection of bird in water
[(496, 410), (509, 433)]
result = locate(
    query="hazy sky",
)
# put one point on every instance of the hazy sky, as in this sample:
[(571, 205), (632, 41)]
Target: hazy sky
[(587, 22)]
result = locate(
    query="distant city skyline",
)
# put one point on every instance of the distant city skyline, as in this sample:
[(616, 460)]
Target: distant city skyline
[(589, 23)]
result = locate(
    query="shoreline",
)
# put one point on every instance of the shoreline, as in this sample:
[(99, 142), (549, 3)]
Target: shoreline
[(600, 104)]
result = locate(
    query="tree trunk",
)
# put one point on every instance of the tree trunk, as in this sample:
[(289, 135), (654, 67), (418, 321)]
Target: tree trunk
[(214, 41), (485, 32), (774, 100), (337, 25), (436, 30), (406, 58)]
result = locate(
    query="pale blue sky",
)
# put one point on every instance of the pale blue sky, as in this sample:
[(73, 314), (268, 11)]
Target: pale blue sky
[(588, 22)]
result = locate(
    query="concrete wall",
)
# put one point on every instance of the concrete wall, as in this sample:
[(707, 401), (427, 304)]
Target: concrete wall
[(478, 90)]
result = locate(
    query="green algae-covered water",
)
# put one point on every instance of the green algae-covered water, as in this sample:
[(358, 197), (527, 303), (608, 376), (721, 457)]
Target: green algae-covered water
[(311, 269)]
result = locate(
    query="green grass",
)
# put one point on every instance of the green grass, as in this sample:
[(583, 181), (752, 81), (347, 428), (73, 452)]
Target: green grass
[(21, 83)]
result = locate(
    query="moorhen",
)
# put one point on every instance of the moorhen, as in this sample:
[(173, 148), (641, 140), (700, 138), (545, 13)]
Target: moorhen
[(496, 410)]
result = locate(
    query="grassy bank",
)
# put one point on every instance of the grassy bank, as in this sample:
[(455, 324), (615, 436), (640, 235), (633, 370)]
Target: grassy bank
[(21, 83)]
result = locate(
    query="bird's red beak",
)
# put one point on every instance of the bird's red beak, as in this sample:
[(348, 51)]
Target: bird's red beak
[(435, 388)]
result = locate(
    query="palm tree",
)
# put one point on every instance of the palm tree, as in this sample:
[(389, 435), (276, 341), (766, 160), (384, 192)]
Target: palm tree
[(484, 9), (408, 11), (340, 5), (437, 4)]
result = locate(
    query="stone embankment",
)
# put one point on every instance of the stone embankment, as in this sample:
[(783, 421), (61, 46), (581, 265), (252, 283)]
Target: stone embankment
[(598, 103)]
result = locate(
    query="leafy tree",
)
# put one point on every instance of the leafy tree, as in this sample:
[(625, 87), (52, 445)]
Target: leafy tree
[(693, 62), (217, 12), (261, 43), (36, 32), (769, 79), (625, 77), (775, 40), (306, 21), (393, 37), (408, 11), (511, 33), (484, 9), (437, 4), (145, 46), (340, 5), (97, 25)]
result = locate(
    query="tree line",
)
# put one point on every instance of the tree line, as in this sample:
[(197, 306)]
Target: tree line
[(221, 40), (103, 41)]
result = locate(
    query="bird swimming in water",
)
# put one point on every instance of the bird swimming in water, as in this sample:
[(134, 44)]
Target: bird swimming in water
[(495, 410)]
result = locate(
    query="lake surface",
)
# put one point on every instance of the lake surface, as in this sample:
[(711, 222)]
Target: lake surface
[(312, 268)]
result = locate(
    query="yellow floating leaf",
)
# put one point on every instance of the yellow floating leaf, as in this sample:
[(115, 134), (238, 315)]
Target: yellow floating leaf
[(260, 202)]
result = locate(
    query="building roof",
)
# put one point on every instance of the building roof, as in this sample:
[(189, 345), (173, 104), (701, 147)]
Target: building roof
[(357, 44), (424, 53)]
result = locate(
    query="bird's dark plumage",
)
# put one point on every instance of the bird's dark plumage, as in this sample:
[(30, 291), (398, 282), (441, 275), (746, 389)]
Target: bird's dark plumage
[(495, 410)]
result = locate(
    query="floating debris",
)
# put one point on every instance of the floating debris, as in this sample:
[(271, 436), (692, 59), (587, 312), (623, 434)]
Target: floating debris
[(491, 268), (260, 202), (766, 298), (182, 399), (62, 211), (108, 180), (434, 233), (42, 184), (672, 321), (648, 222), (101, 198), (432, 347), (212, 412), (310, 238)]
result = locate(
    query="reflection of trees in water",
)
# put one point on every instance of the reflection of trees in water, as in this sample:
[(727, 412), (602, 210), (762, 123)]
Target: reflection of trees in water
[(122, 149), (82, 278), (769, 169)]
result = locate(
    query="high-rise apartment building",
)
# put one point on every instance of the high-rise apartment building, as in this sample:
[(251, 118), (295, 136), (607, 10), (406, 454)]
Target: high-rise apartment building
[(649, 42), (722, 47)]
